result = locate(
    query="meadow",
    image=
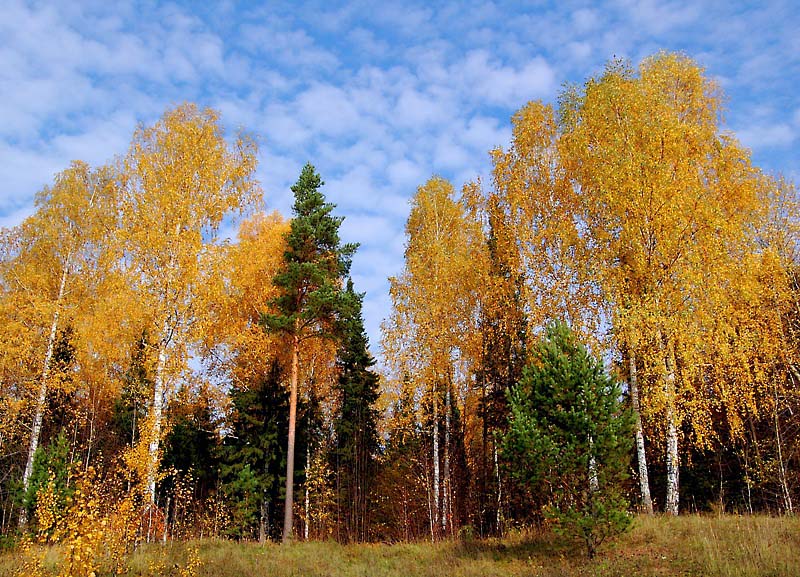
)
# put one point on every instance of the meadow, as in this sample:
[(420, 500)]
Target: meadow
[(745, 546)]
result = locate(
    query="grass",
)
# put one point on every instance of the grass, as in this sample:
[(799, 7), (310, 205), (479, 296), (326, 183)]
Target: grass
[(688, 545)]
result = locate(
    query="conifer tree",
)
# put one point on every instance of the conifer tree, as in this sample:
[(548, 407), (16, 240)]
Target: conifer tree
[(569, 435), (312, 301), (356, 425), (254, 455)]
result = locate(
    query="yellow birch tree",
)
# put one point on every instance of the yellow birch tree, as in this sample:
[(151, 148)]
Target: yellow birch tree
[(179, 181), (432, 335)]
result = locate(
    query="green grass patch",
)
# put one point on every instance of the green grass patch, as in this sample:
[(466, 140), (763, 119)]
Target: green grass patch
[(688, 545)]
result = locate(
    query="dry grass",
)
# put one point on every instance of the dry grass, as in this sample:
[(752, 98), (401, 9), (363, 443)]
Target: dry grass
[(690, 545)]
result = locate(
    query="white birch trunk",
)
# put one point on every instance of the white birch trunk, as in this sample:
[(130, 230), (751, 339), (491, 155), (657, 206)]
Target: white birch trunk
[(641, 456), (157, 408), (41, 399), (308, 496), (673, 470), (262, 521), (499, 493), (446, 505), (594, 482), (436, 502), (787, 496)]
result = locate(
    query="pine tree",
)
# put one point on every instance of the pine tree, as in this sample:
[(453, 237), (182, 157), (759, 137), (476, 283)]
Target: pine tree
[(51, 465), (190, 447), (256, 442), (312, 300), (569, 435), (356, 425)]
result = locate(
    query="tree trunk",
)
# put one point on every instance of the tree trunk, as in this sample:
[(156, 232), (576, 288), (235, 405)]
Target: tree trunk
[(435, 425), (288, 517), (641, 456), (159, 394), (594, 480), (41, 399), (499, 514), (787, 496), (307, 525), (447, 507), (673, 470), (262, 521)]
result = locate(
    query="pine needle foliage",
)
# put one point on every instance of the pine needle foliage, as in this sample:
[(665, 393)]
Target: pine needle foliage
[(570, 438), (315, 264)]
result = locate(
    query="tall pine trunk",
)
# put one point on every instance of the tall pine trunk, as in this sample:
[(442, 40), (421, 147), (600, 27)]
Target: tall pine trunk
[(641, 456), (288, 518)]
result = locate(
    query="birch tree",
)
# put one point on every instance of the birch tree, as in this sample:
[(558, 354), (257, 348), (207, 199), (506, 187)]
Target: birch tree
[(179, 181), (665, 201), (48, 265), (432, 333)]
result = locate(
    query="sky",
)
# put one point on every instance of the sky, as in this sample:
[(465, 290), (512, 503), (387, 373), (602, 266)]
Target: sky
[(379, 96)]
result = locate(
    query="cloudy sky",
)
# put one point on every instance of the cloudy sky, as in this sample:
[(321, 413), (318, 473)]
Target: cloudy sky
[(378, 96)]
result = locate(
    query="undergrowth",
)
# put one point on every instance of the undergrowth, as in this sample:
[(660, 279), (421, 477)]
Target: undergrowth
[(687, 545)]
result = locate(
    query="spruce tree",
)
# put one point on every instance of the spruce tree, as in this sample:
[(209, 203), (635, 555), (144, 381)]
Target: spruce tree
[(191, 446), (254, 453), (570, 436), (312, 302), (356, 426)]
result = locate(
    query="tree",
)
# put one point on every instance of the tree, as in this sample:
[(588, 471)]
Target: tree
[(431, 340), (356, 425), (237, 288), (257, 442), (311, 300), (667, 205), (51, 466), (49, 265), (179, 181), (569, 436)]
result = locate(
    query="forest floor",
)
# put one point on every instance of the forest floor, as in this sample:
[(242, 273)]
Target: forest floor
[(688, 545)]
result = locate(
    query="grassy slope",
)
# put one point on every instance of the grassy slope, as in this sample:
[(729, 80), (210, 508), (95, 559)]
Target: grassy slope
[(742, 546)]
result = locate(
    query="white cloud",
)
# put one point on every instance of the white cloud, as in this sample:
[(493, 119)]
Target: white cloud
[(282, 127), (403, 173), (449, 155), (499, 84), (418, 111), (327, 110), (659, 17), (767, 136), (99, 142), (585, 20)]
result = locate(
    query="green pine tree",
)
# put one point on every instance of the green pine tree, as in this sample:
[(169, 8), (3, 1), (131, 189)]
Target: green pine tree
[(190, 447), (312, 302), (51, 464), (356, 425), (257, 443), (569, 436)]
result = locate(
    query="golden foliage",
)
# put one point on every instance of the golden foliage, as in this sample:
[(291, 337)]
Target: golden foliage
[(432, 334)]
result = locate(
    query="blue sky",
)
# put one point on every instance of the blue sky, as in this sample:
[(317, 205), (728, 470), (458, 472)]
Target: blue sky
[(379, 96)]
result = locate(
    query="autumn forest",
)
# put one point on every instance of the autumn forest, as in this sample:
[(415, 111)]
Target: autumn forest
[(607, 327)]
